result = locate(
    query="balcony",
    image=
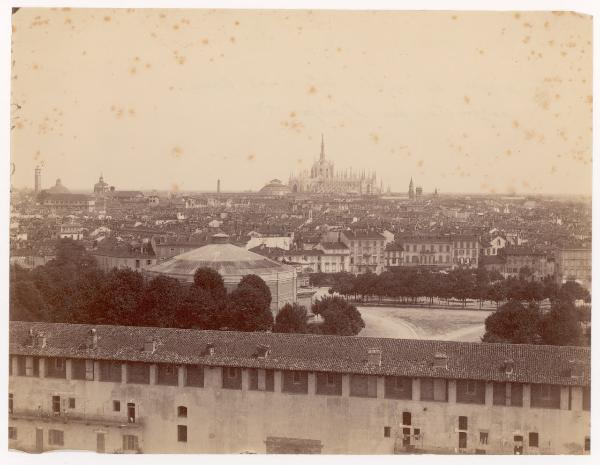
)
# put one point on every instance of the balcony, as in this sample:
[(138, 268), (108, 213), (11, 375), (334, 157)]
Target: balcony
[(74, 418)]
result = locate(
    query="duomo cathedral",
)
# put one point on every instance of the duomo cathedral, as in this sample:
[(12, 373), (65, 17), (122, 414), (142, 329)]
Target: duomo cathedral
[(322, 179)]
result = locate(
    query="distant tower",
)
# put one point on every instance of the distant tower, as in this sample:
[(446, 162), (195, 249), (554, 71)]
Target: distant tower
[(411, 190), (419, 192), (218, 186), (38, 179), (322, 156)]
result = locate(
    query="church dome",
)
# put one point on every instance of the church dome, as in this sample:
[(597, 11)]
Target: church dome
[(232, 263), (275, 187), (58, 188)]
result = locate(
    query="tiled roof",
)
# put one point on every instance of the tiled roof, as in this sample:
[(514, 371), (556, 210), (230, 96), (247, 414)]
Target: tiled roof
[(342, 354), (334, 245)]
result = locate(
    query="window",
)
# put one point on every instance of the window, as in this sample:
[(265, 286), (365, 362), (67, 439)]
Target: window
[(483, 437), (462, 423), (295, 382), (387, 432), (232, 378), (586, 444), (397, 387), (297, 377), (56, 405), (499, 394), (182, 411), (55, 368), (71, 402), (330, 379), (116, 405), (417, 433), (194, 376), (10, 403), (138, 373), (181, 433), (533, 439), (130, 442), (406, 418), (12, 432), (56, 437), (110, 371), (167, 375), (131, 412), (363, 386)]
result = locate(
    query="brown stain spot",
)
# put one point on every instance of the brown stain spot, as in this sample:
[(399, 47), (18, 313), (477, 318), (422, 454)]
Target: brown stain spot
[(508, 153), (517, 15), (467, 99), (148, 65), (251, 157), (107, 19), (237, 23), (454, 17), (526, 39), (420, 163), (312, 90), (205, 41), (528, 25), (553, 169), (68, 21), (546, 24), (232, 40), (175, 27), (132, 70), (131, 112), (551, 43), (375, 138), (177, 152), (589, 99), (515, 124)]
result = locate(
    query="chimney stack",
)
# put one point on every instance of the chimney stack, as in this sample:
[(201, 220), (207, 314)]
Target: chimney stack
[(150, 346), (509, 366), (374, 357), (575, 369), (262, 350), (440, 360), (210, 349), (92, 342)]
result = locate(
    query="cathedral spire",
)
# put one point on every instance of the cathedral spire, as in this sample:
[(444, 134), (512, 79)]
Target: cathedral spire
[(322, 157)]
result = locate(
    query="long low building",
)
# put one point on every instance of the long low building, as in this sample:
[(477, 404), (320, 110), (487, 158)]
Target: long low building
[(118, 389)]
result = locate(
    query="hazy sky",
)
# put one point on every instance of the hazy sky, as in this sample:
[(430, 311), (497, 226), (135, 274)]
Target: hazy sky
[(174, 99)]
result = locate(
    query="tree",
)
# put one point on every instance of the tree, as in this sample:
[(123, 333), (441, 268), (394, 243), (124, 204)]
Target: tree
[(513, 323), (339, 316), (247, 310), (572, 291), (257, 283), (291, 318), (26, 302), (561, 325), (200, 310), (211, 281), (119, 299), (160, 302)]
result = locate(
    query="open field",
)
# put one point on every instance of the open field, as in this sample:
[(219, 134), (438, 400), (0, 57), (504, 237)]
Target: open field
[(423, 323)]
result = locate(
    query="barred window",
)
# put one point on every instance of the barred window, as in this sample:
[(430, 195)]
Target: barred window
[(194, 376), (130, 442), (56, 437)]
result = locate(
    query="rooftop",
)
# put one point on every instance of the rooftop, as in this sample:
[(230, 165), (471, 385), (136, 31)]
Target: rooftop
[(342, 354)]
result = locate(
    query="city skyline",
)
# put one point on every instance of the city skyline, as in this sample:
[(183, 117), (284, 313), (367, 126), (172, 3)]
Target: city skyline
[(198, 95)]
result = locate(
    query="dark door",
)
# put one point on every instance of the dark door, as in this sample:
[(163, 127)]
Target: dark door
[(131, 412), (56, 405), (518, 445), (100, 443), (462, 440), (39, 440)]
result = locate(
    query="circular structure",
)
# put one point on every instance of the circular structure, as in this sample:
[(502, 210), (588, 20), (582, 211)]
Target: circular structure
[(58, 188), (275, 187), (232, 263)]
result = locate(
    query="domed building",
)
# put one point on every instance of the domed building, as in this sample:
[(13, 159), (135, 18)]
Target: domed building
[(58, 188), (232, 263), (275, 187)]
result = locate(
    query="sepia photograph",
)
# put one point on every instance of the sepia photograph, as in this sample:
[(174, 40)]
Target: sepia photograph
[(298, 230)]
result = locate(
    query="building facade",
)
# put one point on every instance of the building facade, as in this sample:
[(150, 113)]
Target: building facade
[(367, 251), (322, 179), (574, 264), (121, 389)]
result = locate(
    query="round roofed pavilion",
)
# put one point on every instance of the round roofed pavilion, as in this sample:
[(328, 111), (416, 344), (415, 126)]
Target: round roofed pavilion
[(232, 263)]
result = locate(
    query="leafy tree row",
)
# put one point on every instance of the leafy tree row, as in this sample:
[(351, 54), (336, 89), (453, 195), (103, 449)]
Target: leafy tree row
[(408, 285)]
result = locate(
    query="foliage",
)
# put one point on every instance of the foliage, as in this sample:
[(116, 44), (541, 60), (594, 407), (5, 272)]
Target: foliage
[(339, 316), (292, 318), (513, 323)]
